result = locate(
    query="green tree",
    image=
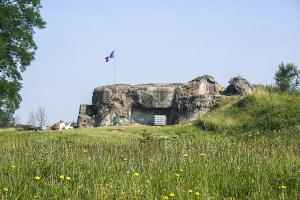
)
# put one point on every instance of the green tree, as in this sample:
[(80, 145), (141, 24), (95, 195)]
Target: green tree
[(287, 76), (18, 21)]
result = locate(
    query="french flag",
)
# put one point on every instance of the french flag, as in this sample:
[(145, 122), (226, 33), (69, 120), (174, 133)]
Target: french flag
[(112, 55)]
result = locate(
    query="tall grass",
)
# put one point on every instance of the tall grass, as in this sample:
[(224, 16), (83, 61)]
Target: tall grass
[(182, 166), (172, 162)]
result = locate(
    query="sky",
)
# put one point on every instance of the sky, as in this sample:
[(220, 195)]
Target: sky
[(156, 41)]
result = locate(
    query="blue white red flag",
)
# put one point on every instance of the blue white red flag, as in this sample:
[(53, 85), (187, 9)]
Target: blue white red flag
[(112, 55)]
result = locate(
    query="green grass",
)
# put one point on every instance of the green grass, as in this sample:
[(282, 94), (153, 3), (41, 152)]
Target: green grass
[(260, 160), (265, 111)]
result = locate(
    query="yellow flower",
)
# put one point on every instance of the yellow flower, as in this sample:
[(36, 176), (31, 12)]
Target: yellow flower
[(125, 159), (190, 191), (202, 154), (136, 174), (37, 178), (185, 155), (197, 193), (84, 150), (282, 187), (177, 174), (13, 167), (164, 197), (172, 194), (5, 189), (68, 178), (62, 177)]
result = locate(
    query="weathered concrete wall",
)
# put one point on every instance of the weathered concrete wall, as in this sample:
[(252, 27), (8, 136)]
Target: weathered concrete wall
[(124, 104), (86, 117)]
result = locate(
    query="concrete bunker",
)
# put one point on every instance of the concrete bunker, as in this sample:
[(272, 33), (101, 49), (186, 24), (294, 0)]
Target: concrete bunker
[(150, 104)]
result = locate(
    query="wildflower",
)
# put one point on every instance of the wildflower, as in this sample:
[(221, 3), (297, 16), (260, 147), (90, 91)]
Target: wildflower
[(5, 189), (62, 177), (197, 193), (125, 158), (282, 187), (172, 194), (202, 154), (164, 197), (136, 174), (68, 178), (37, 178), (181, 170), (190, 191), (84, 150), (177, 174), (13, 167), (185, 155)]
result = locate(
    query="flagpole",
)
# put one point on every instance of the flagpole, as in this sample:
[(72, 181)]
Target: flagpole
[(114, 70)]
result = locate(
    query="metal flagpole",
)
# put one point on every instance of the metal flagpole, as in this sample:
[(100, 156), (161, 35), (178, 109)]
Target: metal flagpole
[(114, 70)]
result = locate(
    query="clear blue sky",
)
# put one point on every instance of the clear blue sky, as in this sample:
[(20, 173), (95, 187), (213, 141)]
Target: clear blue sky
[(155, 41)]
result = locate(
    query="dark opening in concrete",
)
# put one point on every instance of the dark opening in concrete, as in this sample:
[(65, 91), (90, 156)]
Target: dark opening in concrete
[(145, 116)]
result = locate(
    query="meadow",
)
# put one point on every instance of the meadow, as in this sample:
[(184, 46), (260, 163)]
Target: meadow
[(209, 159)]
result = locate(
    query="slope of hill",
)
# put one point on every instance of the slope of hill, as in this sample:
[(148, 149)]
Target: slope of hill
[(265, 111)]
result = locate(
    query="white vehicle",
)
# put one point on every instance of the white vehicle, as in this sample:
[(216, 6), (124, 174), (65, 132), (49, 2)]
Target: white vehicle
[(68, 126)]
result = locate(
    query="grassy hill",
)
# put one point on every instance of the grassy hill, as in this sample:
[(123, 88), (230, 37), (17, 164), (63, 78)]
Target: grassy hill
[(247, 148), (265, 111)]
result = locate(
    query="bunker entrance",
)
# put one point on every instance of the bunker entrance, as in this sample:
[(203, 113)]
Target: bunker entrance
[(151, 116)]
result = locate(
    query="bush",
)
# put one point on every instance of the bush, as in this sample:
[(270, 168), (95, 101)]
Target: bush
[(287, 77)]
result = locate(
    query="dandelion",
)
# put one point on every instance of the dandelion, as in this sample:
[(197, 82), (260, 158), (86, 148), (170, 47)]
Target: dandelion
[(282, 187), (197, 193), (172, 194), (136, 174), (164, 197), (177, 174), (185, 155), (5, 189), (190, 191), (68, 178), (37, 178), (62, 177)]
